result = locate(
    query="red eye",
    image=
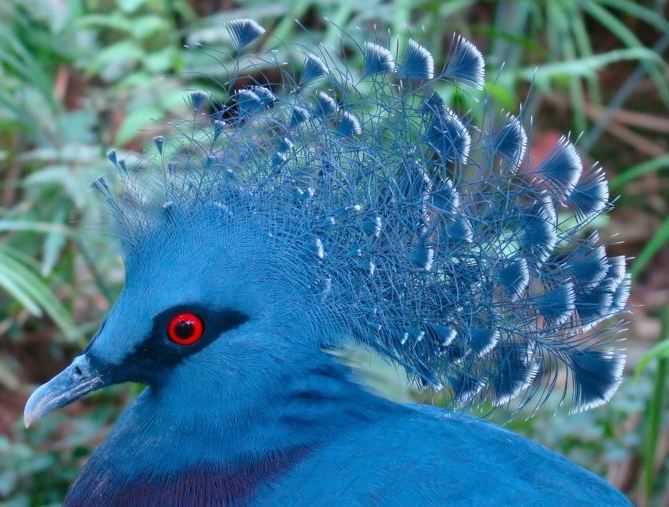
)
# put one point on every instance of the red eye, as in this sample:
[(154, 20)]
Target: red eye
[(185, 328)]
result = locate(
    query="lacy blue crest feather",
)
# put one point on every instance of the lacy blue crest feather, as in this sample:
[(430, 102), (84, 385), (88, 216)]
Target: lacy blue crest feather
[(405, 226)]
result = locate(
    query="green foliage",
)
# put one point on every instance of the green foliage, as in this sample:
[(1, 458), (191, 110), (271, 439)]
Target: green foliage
[(79, 76), (653, 426), (657, 242), (61, 443), (17, 278), (660, 237), (570, 58)]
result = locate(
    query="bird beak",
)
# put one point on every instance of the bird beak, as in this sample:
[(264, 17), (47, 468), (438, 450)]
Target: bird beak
[(78, 379)]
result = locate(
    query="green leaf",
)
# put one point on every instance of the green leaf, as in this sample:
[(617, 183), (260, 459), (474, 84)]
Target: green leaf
[(147, 26), (636, 171), (450, 8), (654, 245), (15, 54), (53, 246), (112, 21), (161, 61), (51, 175), (659, 351), (26, 286), (562, 19), (8, 373), (503, 93), (129, 5), (9, 285), (30, 226), (627, 37), (582, 41), (587, 66), (126, 52), (639, 11), (653, 413), (135, 121)]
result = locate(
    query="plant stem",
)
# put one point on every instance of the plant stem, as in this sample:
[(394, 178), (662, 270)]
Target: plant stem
[(654, 415)]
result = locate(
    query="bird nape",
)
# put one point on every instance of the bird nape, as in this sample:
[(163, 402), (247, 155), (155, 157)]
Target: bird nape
[(301, 211)]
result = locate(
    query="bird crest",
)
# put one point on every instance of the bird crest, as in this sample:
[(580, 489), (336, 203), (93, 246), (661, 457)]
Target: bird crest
[(391, 219)]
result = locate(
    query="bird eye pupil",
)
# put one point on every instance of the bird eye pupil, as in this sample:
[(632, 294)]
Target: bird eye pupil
[(184, 329)]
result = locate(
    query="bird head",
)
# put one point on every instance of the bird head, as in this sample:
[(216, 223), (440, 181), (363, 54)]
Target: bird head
[(207, 294)]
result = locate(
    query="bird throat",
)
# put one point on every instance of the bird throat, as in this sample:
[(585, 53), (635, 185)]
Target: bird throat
[(157, 456)]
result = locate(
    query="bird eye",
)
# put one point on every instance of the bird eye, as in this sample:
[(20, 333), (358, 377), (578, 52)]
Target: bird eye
[(185, 328)]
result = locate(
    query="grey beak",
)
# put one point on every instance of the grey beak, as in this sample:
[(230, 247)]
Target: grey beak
[(69, 385)]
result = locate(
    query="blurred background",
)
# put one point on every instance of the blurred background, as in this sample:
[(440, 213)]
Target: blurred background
[(80, 76)]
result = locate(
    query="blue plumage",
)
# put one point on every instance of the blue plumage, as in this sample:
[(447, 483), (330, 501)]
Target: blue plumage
[(418, 62), (325, 105), (378, 60), (556, 304), (561, 170), (449, 136), (248, 102), (298, 115), (198, 99), (465, 63), (244, 31), (313, 68), (296, 217), (514, 277), (591, 195), (510, 141)]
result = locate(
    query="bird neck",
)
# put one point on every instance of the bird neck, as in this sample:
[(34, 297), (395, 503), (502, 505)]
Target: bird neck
[(260, 432)]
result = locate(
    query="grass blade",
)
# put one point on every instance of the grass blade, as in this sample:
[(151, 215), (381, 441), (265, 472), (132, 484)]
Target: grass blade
[(654, 414), (659, 239), (587, 66), (636, 171), (627, 37), (34, 289)]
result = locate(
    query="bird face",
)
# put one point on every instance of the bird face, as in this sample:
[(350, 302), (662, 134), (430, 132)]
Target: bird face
[(192, 306)]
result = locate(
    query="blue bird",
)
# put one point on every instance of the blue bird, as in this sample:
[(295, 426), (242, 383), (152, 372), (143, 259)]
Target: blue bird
[(301, 213)]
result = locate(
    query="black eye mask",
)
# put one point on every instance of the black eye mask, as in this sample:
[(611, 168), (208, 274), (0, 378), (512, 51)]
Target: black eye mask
[(157, 353)]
